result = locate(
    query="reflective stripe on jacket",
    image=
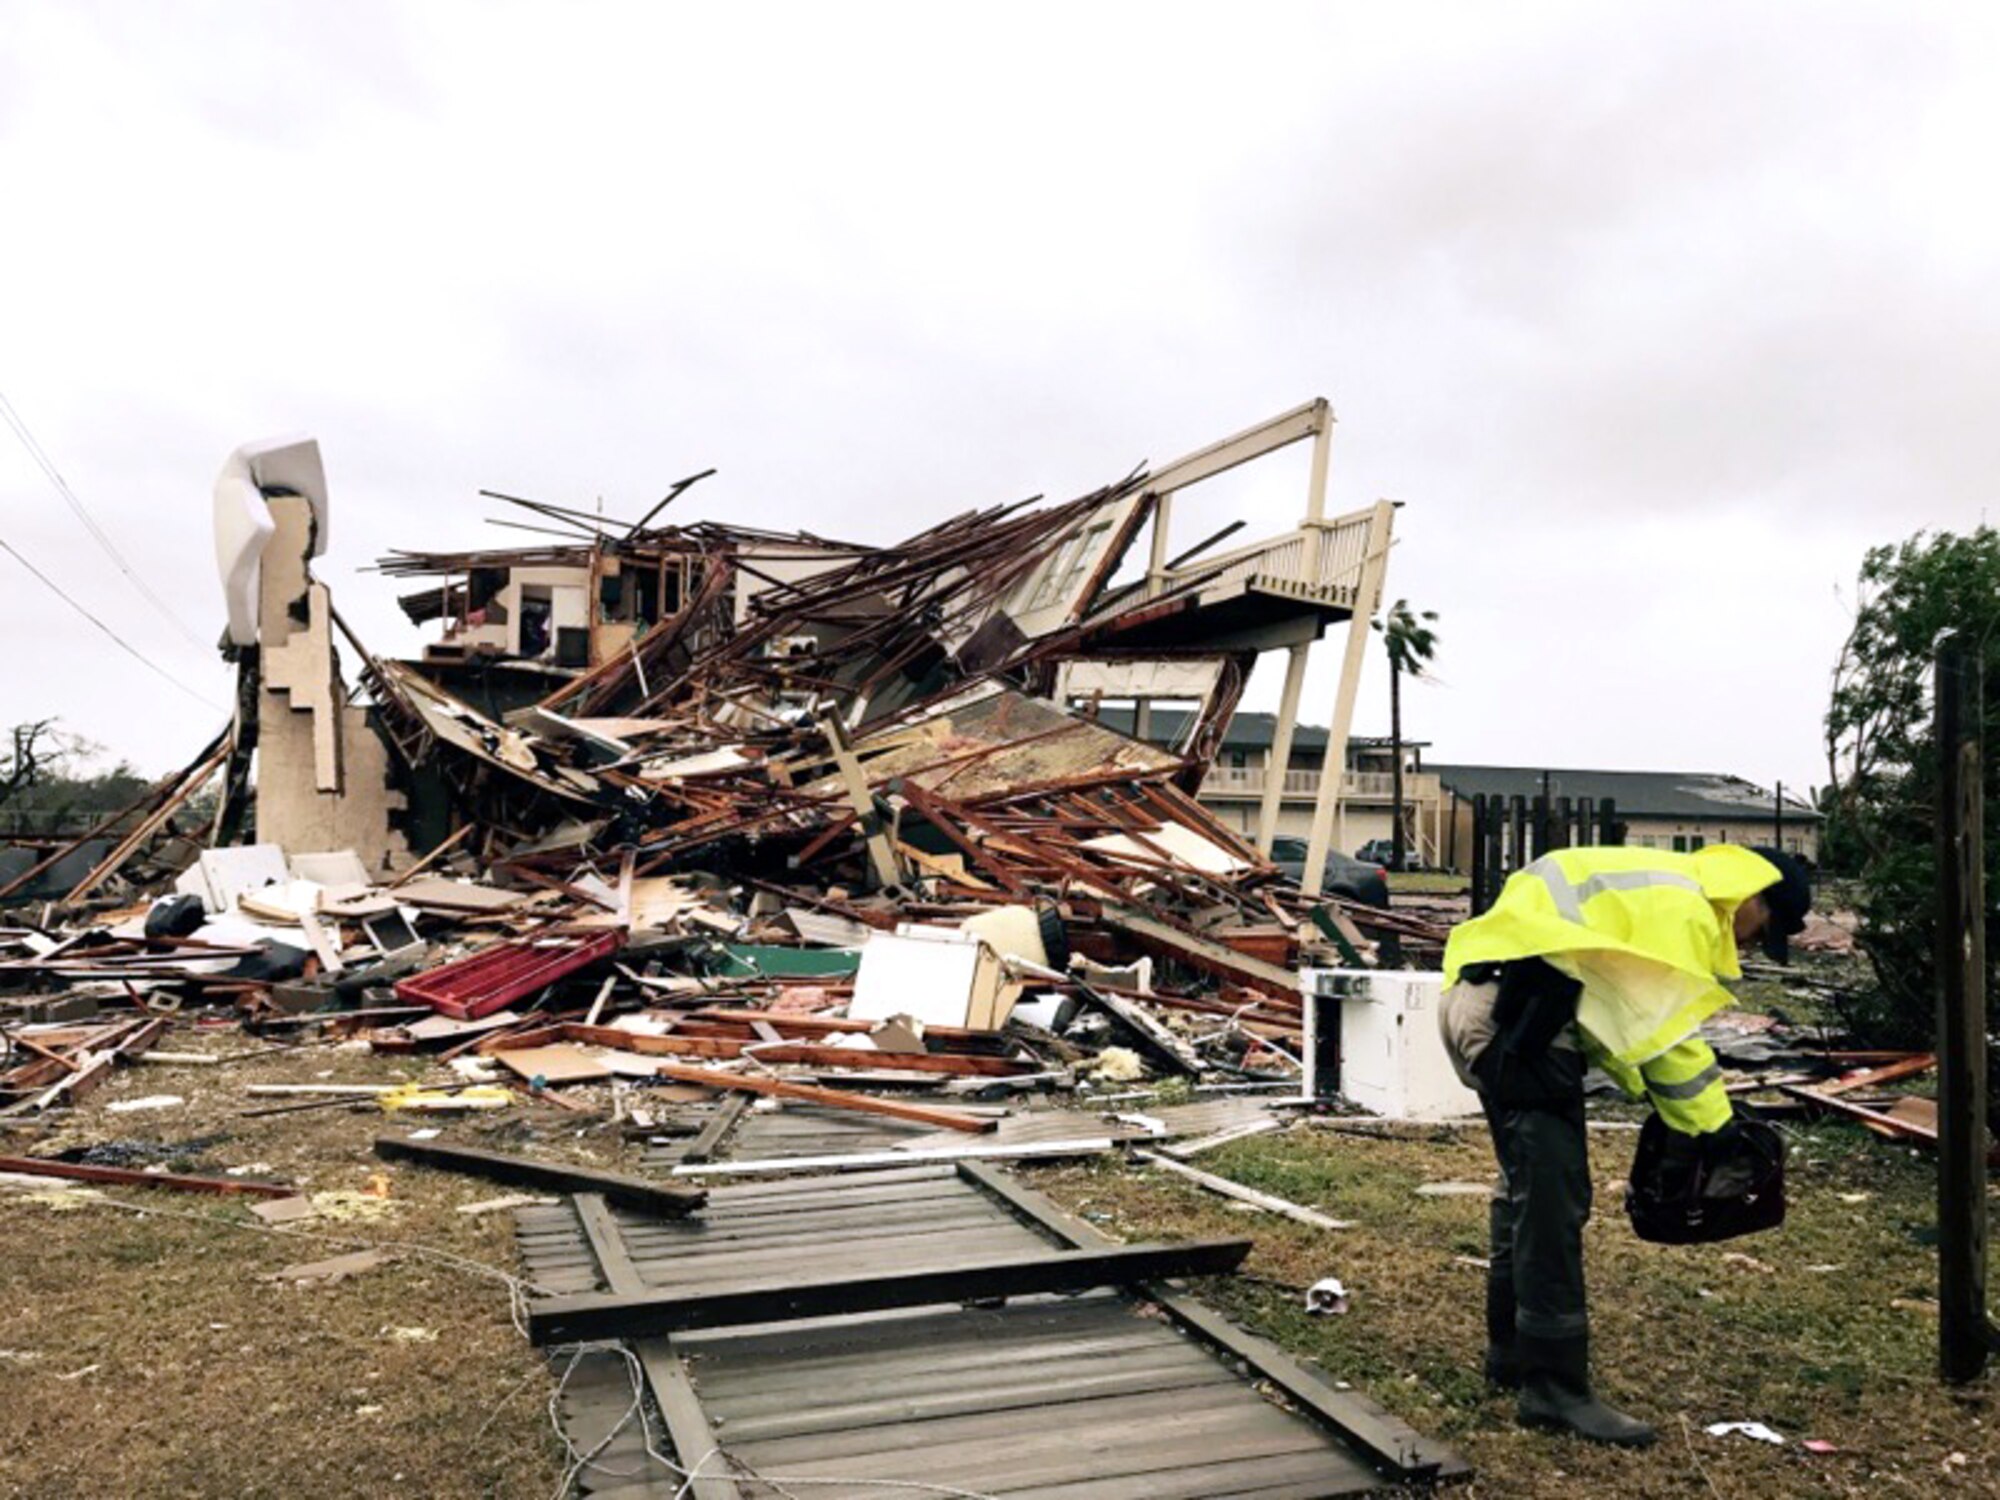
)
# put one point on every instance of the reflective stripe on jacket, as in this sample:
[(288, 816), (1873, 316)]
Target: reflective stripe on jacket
[(1684, 1085), (1647, 932)]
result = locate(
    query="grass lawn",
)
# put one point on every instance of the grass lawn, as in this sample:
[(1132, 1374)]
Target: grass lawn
[(1823, 1330), (142, 1355)]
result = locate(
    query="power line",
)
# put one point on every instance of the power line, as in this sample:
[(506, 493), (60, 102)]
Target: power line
[(70, 498), (118, 640)]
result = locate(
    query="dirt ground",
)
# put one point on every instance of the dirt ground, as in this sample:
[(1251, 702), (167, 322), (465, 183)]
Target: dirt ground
[(142, 1354)]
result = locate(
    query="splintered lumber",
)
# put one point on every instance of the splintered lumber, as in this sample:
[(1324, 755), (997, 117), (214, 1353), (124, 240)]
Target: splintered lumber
[(1242, 1194), (559, 1177), (1184, 1150), (595, 1315), (780, 1049), (76, 1171), (778, 1088), (1204, 954), (168, 788), (1922, 1127), (1905, 1067)]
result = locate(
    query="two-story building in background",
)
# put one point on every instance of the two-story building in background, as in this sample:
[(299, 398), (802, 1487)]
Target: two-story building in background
[(1677, 810)]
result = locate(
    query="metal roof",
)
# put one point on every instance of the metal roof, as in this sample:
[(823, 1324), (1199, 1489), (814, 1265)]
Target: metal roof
[(1704, 795)]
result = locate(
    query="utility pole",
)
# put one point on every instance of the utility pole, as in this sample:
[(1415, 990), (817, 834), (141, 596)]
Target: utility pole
[(1966, 1335), (1778, 817)]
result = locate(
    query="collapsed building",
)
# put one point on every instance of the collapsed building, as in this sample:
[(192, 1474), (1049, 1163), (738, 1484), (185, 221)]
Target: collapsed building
[(852, 830), (706, 694)]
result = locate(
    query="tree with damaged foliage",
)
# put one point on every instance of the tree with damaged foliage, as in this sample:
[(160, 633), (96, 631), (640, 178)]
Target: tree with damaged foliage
[(43, 785), (1880, 750), (1411, 643)]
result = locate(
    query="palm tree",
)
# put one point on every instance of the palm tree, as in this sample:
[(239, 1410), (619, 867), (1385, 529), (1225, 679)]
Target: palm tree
[(1411, 644)]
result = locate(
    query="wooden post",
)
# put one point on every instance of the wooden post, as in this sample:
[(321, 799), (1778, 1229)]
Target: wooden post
[(1478, 853), (881, 851), (1281, 746), (1966, 1335), (1367, 598)]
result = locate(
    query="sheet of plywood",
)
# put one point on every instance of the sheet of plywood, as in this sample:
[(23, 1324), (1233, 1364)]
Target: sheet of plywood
[(560, 1063), (440, 1028), (443, 894), (330, 867)]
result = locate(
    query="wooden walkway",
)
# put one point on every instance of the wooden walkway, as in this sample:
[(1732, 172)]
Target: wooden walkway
[(1119, 1394)]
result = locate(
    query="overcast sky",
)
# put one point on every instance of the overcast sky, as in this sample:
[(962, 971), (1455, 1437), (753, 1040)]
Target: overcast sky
[(1654, 316)]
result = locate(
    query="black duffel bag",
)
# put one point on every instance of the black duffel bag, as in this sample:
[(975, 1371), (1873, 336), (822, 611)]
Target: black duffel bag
[(1694, 1191)]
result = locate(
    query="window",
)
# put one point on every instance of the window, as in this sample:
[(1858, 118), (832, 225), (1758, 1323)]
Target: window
[(1680, 843), (1065, 571), (537, 609)]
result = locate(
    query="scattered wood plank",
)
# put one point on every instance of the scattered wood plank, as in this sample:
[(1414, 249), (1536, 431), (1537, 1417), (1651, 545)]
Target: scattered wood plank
[(805, 1054), (339, 1268), (76, 1171), (594, 1315), (680, 1406), (1907, 1067), (560, 1177), (1910, 1119), (1183, 1150), (717, 1128), (1222, 1185), (870, 1161), (778, 1088)]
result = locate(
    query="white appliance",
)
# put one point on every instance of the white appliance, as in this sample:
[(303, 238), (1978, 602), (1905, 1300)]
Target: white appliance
[(1371, 1036)]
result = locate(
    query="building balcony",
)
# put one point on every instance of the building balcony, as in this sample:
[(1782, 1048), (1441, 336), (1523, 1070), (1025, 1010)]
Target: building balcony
[(1355, 786)]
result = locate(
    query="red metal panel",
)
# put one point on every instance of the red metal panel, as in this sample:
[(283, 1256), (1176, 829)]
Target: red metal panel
[(483, 982)]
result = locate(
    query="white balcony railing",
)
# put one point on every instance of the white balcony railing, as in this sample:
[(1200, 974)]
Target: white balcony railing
[(1282, 565), (1355, 786)]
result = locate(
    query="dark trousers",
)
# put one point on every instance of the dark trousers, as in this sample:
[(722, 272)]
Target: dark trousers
[(1545, 1193)]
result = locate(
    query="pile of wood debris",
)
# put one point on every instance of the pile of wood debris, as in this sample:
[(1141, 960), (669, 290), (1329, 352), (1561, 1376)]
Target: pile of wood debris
[(777, 810)]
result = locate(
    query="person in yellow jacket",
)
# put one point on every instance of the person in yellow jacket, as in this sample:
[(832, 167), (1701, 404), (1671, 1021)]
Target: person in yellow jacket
[(1611, 956)]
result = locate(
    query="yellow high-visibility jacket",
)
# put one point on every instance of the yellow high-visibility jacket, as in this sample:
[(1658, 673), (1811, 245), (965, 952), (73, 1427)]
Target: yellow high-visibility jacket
[(1649, 934)]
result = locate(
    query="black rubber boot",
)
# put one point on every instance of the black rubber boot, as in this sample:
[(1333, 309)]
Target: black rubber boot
[(1556, 1395), (1503, 1355)]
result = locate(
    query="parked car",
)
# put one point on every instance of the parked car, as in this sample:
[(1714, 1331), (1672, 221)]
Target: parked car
[(1383, 852), (1355, 879)]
